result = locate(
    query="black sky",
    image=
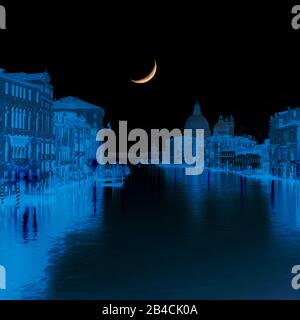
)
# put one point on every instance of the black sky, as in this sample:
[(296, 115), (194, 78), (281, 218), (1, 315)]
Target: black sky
[(237, 59)]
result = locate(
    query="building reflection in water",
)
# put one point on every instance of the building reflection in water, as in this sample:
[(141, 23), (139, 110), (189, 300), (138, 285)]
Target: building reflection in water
[(148, 241), (28, 234), (285, 204), (278, 197)]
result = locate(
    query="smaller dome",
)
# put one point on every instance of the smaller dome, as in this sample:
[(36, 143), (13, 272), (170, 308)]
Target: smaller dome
[(224, 127), (221, 128), (197, 121)]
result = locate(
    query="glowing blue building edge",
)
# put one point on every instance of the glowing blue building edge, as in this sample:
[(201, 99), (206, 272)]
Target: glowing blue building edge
[(46, 143), (278, 157)]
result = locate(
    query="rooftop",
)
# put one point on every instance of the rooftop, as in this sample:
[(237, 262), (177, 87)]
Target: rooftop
[(74, 103), (27, 78)]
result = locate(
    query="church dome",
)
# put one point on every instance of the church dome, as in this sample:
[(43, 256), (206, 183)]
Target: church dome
[(197, 121)]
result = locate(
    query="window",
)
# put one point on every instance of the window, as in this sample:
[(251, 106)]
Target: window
[(6, 117), (6, 151), (17, 119), (37, 122), (29, 121), (23, 120), (6, 88), (29, 95), (13, 117), (24, 93), (37, 97), (20, 119), (17, 91), (13, 90)]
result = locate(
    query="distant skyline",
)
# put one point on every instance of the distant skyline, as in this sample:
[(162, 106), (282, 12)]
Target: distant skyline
[(211, 115)]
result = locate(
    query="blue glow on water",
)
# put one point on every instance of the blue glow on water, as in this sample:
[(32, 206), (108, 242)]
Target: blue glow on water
[(164, 235), (27, 236)]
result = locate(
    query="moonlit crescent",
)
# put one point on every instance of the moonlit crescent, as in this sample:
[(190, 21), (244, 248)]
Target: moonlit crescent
[(149, 76)]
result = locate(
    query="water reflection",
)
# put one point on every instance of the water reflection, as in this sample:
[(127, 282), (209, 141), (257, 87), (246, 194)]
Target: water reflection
[(285, 204), (28, 235), (165, 235), (25, 225)]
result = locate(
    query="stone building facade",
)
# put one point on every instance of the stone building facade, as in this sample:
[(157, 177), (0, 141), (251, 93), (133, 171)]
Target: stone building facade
[(285, 144), (26, 125)]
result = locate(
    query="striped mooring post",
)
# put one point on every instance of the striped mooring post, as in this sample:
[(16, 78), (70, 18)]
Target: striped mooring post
[(2, 192), (18, 194)]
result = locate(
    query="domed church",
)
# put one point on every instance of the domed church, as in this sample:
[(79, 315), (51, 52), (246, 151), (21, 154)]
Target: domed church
[(197, 121)]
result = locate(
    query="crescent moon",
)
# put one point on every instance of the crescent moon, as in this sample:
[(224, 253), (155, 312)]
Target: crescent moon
[(148, 77)]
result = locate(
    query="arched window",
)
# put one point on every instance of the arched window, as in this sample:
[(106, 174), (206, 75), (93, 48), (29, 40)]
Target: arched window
[(23, 120), (37, 121), (12, 117), (6, 117), (20, 119), (17, 118), (29, 120), (6, 151)]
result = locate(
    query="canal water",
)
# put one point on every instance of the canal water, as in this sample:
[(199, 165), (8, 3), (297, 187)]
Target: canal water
[(165, 235)]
